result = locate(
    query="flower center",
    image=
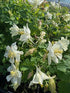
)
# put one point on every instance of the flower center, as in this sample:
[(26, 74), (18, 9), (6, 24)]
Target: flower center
[(13, 73), (11, 54), (58, 51), (21, 32)]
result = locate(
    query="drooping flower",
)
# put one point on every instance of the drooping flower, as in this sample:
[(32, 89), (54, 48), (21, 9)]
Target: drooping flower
[(15, 30), (23, 32), (39, 77), (66, 17), (55, 52), (12, 53), (52, 86), (64, 43), (35, 3), (14, 77), (26, 36)]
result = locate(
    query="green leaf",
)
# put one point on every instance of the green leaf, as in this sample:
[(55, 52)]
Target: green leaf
[(63, 87), (61, 68), (23, 68)]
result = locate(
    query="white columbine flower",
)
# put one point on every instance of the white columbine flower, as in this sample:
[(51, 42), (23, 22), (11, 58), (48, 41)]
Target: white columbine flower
[(35, 3), (49, 15), (39, 77), (64, 43), (12, 53), (66, 17), (14, 30), (55, 52), (14, 77), (26, 36), (56, 5)]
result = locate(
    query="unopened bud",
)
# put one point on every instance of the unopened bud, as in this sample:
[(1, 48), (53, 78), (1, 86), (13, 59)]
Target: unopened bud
[(30, 51), (40, 24), (44, 57), (46, 87), (52, 86), (43, 33), (30, 75)]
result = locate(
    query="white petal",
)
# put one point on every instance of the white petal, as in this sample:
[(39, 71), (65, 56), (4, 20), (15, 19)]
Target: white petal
[(14, 30), (8, 78), (14, 46), (59, 55), (7, 50), (11, 60), (49, 46), (19, 74), (18, 58), (9, 68), (12, 67), (23, 38), (27, 29), (6, 54), (49, 59), (36, 79), (64, 43), (43, 75), (14, 80), (30, 84), (55, 59)]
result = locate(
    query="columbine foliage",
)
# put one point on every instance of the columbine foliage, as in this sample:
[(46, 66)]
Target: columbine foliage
[(41, 31)]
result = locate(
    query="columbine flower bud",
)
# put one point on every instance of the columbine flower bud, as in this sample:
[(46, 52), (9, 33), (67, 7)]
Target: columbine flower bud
[(52, 85), (43, 41), (40, 24), (30, 51), (43, 33), (46, 87)]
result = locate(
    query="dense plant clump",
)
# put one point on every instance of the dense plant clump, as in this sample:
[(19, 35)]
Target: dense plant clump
[(35, 46)]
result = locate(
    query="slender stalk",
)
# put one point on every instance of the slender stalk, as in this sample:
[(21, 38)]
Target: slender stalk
[(38, 88)]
